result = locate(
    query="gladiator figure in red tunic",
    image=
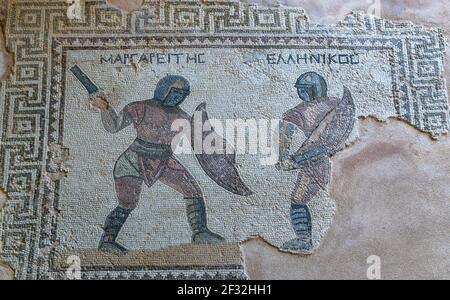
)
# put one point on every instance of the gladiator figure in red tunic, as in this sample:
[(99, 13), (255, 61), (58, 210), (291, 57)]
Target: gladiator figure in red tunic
[(150, 158), (327, 123)]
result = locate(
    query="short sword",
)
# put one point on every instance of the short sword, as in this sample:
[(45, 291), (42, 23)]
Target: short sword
[(84, 79)]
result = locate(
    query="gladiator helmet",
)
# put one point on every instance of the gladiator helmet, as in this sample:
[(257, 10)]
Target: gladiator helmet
[(311, 86), (172, 90)]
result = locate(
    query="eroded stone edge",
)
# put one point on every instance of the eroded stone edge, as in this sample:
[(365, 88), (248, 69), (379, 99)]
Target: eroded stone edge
[(8, 60), (361, 123)]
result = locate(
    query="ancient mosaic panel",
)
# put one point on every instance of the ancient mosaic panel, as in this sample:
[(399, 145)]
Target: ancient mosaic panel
[(87, 123)]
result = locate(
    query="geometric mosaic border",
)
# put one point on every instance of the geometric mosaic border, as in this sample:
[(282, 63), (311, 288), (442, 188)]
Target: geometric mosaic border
[(37, 32)]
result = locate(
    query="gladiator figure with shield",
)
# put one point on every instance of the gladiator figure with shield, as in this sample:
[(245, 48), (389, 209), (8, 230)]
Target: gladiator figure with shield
[(150, 158), (327, 124)]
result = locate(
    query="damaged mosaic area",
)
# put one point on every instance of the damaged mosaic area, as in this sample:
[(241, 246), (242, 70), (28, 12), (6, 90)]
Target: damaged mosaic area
[(59, 164)]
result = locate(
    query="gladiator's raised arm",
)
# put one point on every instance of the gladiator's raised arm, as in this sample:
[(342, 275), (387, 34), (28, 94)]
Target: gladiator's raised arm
[(332, 132), (114, 122)]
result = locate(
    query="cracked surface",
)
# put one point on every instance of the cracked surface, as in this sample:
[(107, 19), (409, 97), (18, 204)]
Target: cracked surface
[(3, 198), (5, 58), (391, 190)]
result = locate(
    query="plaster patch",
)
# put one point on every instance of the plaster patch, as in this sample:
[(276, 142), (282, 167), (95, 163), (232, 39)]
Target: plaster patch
[(126, 5), (3, 198), (6, 273), (392, 201)]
